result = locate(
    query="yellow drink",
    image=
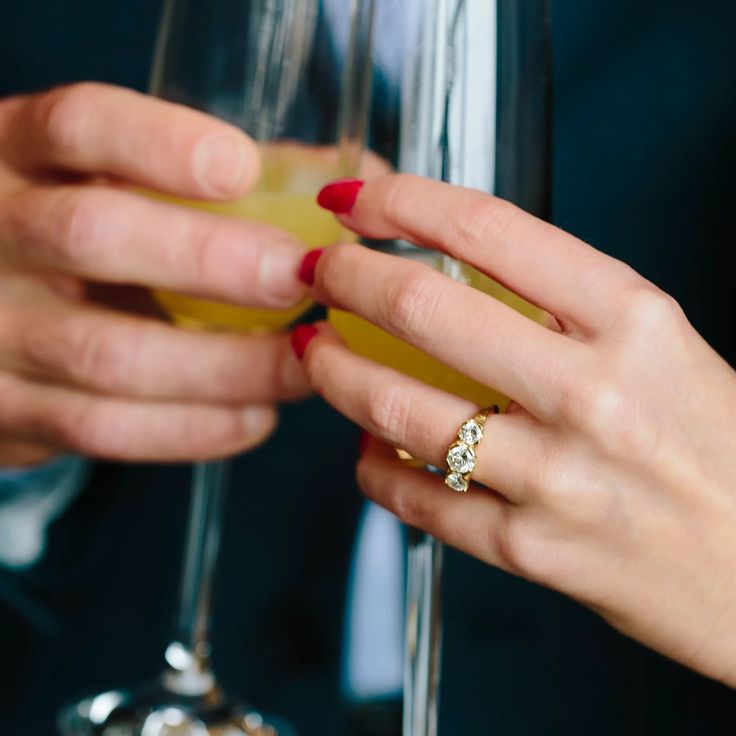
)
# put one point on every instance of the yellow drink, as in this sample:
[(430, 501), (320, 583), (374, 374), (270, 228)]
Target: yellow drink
[(285, 198), (372, 342)]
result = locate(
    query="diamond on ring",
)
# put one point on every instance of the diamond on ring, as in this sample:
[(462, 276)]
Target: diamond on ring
[(461, 459), (457, 482), (471, 433)]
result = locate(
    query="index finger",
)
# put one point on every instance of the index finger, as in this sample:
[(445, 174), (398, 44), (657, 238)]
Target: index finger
[(101, 129), (547, 266)]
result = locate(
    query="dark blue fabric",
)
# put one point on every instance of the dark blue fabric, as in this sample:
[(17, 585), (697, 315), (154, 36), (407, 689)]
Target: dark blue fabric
[(644, 126)]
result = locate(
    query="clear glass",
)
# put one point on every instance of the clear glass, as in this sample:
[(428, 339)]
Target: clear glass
[(464, 97), (269, 67)]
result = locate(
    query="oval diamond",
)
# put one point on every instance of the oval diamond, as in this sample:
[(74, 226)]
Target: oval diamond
[(457, 482), (471, 433), (461, 458)]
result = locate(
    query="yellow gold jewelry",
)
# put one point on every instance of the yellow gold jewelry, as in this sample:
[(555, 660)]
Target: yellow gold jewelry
[(461, 454)]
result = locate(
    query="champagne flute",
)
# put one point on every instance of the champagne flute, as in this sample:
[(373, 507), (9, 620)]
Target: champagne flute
[(474, 110), (266, 66)]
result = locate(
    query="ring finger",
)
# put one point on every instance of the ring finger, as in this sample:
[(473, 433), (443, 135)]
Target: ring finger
[(421, 419)]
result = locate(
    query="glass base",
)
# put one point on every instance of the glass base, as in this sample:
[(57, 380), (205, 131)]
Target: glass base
[(157, 711)]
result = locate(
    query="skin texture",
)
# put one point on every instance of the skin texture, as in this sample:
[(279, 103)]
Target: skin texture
[(612, 476), (85, 363)]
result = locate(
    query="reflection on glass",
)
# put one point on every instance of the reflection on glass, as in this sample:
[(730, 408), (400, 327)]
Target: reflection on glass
[(269, 67), (472, 108)]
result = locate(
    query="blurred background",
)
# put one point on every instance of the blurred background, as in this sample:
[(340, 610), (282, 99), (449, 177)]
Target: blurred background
[(643, 158)]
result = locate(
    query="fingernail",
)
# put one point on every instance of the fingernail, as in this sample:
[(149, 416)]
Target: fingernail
[(339, 196), (363, 441), (279, 275), (309, 266), (301, 336), (220, 162), (257, 420)]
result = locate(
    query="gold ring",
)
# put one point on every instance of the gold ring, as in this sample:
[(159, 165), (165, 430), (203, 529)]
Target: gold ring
[(461, 454)]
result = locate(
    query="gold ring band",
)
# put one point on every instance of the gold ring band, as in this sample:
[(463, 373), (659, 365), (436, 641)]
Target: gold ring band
[(461, 454)]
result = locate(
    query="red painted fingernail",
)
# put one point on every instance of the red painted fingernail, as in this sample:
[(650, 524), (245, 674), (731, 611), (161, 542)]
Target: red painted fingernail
[(339, 196), (363, 441), (309, 266), (301, 336)]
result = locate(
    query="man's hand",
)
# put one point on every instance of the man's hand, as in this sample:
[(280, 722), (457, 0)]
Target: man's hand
[(79, 376)]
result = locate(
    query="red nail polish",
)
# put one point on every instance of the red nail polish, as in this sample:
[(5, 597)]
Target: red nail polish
[(339, 196), (301, 337), (309, 266), (363, 441)]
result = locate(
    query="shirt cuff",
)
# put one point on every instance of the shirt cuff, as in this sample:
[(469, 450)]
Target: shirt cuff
[(30, 499)]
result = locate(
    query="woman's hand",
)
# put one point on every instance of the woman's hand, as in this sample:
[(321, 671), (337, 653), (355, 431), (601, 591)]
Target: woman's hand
[(613, 474), (75, 375)]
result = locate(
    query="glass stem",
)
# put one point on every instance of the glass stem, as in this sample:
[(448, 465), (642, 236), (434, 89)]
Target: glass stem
[(188, 654), (423, 634)]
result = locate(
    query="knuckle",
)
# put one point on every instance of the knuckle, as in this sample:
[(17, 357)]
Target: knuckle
[(411, 302), (100, 356), (44, 345), (388, 410), (66, 114), (208, 265), (608, 416), (204, 244), (84, 429), (483, 217), (596, 404), (79, 219), (558, 491), (648, 311)]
